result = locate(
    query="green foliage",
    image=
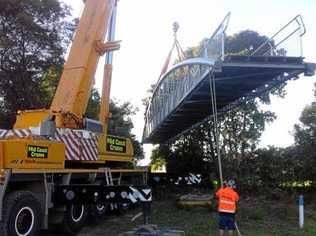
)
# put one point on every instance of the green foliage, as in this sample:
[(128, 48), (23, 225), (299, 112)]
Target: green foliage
[(120, 123), (256, 214), (305, 142), (244, 43), (138, 148), (146, 100), (268, 168), (159, 156), (93, 107), (34, 35), (306, 131), (186, 157), (273, 168)]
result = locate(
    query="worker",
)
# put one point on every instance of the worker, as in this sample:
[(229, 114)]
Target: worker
[(227, 203)]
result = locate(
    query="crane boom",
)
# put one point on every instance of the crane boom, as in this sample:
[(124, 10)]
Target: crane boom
[(74, 88), (72, 95)]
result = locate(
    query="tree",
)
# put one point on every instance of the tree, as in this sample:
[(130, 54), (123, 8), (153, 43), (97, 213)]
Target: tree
[(305, 133), (158, 157), (305, 140), (93, 107), (245, 42), (121, 123), (34, 35), (146, 100)]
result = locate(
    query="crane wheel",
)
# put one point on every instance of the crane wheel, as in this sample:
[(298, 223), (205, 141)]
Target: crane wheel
[(22, 215), (75, 218), (123, 208), (98, 212)]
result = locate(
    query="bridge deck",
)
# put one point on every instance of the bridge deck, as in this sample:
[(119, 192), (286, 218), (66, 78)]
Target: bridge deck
[(238, 78)]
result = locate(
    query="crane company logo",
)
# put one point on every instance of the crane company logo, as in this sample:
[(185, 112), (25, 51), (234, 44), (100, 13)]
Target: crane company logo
[(114, 144), (37, 151)]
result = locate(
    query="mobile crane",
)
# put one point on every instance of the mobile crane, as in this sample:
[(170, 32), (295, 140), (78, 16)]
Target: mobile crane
[(53, 162)]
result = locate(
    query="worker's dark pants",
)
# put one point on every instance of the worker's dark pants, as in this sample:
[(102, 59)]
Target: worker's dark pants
[(226, 221)]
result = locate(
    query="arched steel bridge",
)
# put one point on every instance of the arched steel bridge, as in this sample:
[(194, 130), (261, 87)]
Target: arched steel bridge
[(182, 98)]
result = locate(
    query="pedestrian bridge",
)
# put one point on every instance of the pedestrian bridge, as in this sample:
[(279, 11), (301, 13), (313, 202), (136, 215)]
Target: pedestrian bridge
[(182, 98)]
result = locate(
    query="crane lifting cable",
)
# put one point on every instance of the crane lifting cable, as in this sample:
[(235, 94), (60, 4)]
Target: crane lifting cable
[(176, 45)]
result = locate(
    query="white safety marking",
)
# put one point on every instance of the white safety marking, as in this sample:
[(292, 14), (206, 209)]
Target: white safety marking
[(80, 144), (147, 191), (136, 194)]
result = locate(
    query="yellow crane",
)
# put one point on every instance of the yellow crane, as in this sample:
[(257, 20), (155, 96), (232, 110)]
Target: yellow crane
[(65, 117), (53, 161)]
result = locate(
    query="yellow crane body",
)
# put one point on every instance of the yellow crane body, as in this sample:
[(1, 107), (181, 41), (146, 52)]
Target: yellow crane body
[(36, 153), (28, 153)]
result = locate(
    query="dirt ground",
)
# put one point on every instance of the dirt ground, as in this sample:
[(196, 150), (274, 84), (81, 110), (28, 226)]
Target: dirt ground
[(112, 225)]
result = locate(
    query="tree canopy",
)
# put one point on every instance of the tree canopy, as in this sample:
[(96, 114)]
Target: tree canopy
[(34, 36), (305, 141)]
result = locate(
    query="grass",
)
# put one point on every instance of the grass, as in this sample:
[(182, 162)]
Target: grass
[(256, 216), (267, 217)]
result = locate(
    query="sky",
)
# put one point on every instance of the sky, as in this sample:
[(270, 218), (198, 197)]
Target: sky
[(145, 28)]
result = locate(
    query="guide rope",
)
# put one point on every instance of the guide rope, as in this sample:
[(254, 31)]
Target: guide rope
[(215, 122)]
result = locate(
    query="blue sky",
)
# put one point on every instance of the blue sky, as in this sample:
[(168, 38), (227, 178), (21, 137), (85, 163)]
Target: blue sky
[(145, 28)]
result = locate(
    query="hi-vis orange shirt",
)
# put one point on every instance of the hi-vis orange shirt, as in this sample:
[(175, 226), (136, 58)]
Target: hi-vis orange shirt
[(227, 198)]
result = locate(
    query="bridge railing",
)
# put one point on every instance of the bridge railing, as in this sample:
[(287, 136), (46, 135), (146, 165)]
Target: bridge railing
[(214, 47), (171, 90), (285, 42)]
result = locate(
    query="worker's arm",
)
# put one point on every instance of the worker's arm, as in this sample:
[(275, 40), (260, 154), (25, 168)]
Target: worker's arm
[(236, 197), (218, 192)]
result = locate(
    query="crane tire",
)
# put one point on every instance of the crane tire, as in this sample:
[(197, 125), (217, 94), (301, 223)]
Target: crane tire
[(75, 218), (22, 215), (122, 208), (99, 211)]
